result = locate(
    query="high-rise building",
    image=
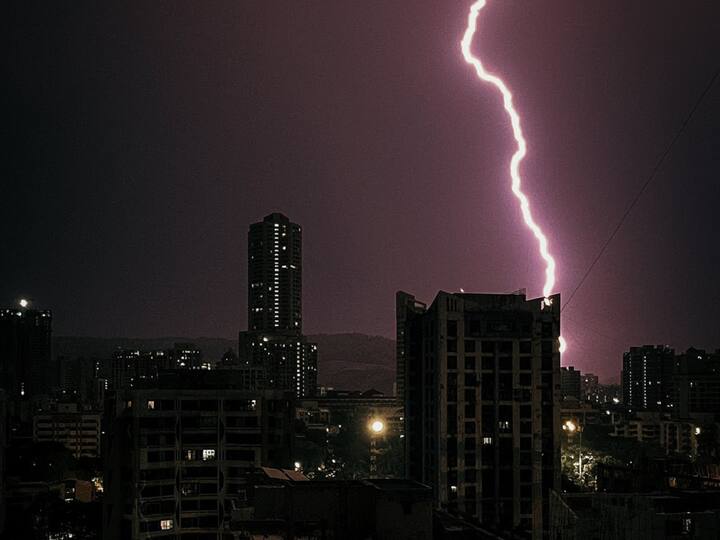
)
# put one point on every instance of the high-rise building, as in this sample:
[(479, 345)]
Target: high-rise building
[(180, 450), (696, 383), (482, 391), (570, 383), (26, 368), (405, 306), (275, 275), (273, 351), (647, 378), (279, 361)]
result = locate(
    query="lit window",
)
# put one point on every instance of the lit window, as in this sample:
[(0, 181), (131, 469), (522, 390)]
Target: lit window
[(166, 524), (208, 454), (189, 455), (151, 404), (487, 440)]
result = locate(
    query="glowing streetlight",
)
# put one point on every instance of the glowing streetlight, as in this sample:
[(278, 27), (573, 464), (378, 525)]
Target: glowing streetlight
[(24, 303), (570, 426), (377, 426)]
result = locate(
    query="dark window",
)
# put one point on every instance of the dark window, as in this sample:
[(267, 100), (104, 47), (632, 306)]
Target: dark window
[(452, 345), (469, 345), (506, 347), (470, 410), (452, 362), (525, 379), (470, 363), (488, 483), (526, 411), (525, 347), (488, 419), (526, 362), (487, 388), (506, 363), (470, 427), (506, 483), (488, 346), (506, 386), (452, 328), (488, 362)]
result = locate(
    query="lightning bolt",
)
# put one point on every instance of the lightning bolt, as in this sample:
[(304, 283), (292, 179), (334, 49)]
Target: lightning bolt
[(517, 157)]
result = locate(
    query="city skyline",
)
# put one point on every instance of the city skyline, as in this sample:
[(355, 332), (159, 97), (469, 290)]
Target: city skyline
[(133, 223)]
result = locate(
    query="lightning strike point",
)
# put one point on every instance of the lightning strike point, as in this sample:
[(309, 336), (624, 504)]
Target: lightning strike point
[(520, 152)]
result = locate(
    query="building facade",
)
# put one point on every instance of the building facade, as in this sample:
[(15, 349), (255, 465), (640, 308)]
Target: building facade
[(273, 350), (179, 454), (570, 383), (275, 275), (590, 388), (26, 367), (482, 392), (647, 378), (79, 431)]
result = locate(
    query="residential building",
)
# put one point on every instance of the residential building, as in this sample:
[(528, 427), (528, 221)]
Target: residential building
[(128, 367), (275, 275), (278, 361), (179, 451), (26, 367), (482, 394), (647, 378), (570, 383), (76, 429), (273, 350), (590, 387), (635, 516), (406, 306), (696, 383), (80, 379), (287, 505)]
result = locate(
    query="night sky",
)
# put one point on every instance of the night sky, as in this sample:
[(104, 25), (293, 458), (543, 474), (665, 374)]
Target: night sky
[(143, 138)]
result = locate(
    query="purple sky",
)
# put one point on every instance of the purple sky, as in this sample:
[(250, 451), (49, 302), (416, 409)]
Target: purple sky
[(143, 139)]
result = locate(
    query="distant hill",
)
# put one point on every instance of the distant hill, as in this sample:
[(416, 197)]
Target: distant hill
[(345, 361)]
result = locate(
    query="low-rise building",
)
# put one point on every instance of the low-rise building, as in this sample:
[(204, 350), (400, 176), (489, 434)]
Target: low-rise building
[(635, 516), (76, 429), (180, 451), (288, 506)]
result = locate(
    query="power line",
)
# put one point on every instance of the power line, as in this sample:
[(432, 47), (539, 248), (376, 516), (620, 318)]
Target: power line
[(650, 178)]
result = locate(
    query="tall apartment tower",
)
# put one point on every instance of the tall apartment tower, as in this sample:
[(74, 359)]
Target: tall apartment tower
[(647, 378), (273, 353), (26, 369), (481, 382), (275, 275)]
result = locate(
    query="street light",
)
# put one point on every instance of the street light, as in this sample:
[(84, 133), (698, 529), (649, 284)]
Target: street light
[(376, 426), (24, 303)]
